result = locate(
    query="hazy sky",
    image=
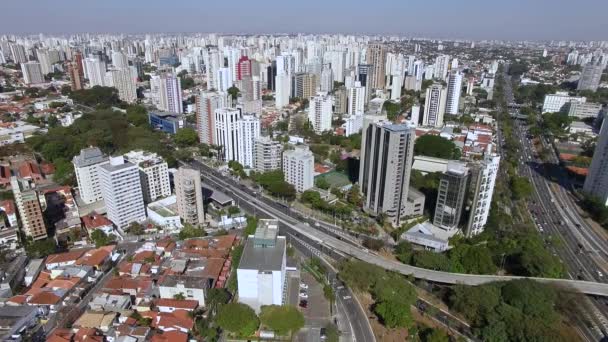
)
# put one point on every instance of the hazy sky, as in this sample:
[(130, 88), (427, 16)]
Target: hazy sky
[(476, 19)]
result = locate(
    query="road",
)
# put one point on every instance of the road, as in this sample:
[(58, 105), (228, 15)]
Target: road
[(582, 251)]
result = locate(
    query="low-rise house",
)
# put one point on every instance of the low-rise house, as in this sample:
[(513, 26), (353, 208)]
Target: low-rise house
[(109, 302), (193, 288), (171, 305), (101, 320)]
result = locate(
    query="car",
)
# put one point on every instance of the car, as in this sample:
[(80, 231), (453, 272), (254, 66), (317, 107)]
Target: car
[(346, 297), (304, 295), (303, 286), (304, 303), (599, 273), (323, 334)]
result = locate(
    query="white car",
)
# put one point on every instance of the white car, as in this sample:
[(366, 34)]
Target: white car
[(303, 286), (346, 297), (303, 295)]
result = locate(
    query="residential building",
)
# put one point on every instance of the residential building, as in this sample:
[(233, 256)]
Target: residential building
[(191, 287), (434, 105), (298, 167), (32, 73), (266, 154), (385, 168), (441, 68), (453, 95), (235, 133), (206, 105), (87, 173), (168, 122), (28, 205), (76, 81), (320, 112), (121, 191), (356, 99), (483, 180), (376, 56), (556, 102), (591, 76), (262, 269), (124, 81), (95, 71), (451, 196), (305, 85), (340, 100), (352, 124), (596, 183), (583, 110), (170, 93), (188, 190), (153, 173), (282, 92)]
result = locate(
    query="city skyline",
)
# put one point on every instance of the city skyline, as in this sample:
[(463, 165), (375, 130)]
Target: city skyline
[(471, 19)]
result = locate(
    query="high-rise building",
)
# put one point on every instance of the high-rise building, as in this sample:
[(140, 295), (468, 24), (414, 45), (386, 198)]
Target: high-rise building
[(483, 180), (327, 79), (32, 73), (453, 96), (415, 114), (206, 104), (298, 167), (76, 81), (28, 205), (189, 195), (384, 175), (153, 173), (224, 79), (266, 154), (560, 101), (86, 168), (95, 71), (18, 53), (442, 64), (119, 60), (591, 76), (282, 85), (434, 105), (596, 183), (45, 61), (243, 68), (305, 85), (396, 85), (340, 101), (320, 112), (451, 195), (213, 62), (121, 191), (124, 81), (170, 92), (236, 133), (356, 99), (376, 56)]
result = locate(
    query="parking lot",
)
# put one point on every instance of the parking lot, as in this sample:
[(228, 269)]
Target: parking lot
[(316, 313)]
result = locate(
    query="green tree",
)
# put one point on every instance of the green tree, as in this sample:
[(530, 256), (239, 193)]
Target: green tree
[(434, 335), (185, 137), (354, 196), (186, 82), (238, 319), (521, 187), (135, 228), (359, 275), (332, 334), (100, 238), (179, 296), (137, 115), (40, 248), (64, 172), (322, 183), (472, 259), (394, 315), (283, 320), (431, 260), (189, 232), (252, 224), (436, 146), (404, 252), (234, 92)]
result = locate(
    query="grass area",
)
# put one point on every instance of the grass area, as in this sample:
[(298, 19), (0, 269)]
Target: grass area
[(335, 179)]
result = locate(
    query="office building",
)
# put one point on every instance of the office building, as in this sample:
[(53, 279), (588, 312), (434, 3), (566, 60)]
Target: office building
[(591, 76), (32, 73), (261, 271), (453, 96), (376, 56), (28, 205), (451, 196), (86, 168), (583, 110), (483, 180), (153, 173), (556, 102), (356, 99), (434, 105), (283, 90), (236, 133), (189, 195), (206, 105), (121, 191), (124, 81), (266, 154), (596, 183), (384, 172), (167, 122), (170, 93), (299, 167), (320, 112)]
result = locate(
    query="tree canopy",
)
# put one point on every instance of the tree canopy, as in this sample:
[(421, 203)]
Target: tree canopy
[(273, 182), (436, 146), (283, 320), (185, 137), (96, 96), (238, 318)]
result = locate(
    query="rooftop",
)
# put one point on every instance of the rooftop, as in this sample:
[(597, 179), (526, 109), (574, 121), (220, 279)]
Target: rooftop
[(89, 156)]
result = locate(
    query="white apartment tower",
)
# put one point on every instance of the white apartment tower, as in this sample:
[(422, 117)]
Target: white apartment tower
[(434, 105), (454, 89), (266, 154), (124, 81), (32, 73), (236, 134), (153, 172), (86, 168), (283, 88), (189, 195), (95, 71), (298, 168), (356, 99), (170, 93), (483, 179), (121, 191), (320, 112)]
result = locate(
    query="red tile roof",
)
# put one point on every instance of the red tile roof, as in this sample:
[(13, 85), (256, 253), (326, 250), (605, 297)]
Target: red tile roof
[(170, 336), (186, 304), (8, 206), (94, 221)]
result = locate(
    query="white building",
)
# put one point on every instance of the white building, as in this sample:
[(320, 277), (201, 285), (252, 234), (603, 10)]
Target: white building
[(121, 191), (396, 87), (164, 213), (555, 102), (95, 71), (154, 174), (236, 133), (352, 124), (298, 167), (170, 93), (453, 96), (434, 105), (87, 173), (283, 89), (124, 81), (262, 269), (442, 64), (596, 182), (32, 73), (356, 99), (482, 185), (266, 154), (224, 79), (320, 112), (191, 287)]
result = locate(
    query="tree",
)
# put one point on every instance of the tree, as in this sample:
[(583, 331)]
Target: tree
[(185, 137), (234, 210), (252, 224), (322, 183), (136, 229), (431, 260), (100, 238), (434, 335), (436, 146), (373, 244), (359, 275), (179, 296), (64, 172), (186, 82), (332, 334), (472, 259), (137, 115), (40, 248), (393, 314), (354, 196), (404, 251), (189, 232), (52, 121), (96, 96), (234, 92), (521, 187), (238, 318), (283, 320), (217, 296)]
